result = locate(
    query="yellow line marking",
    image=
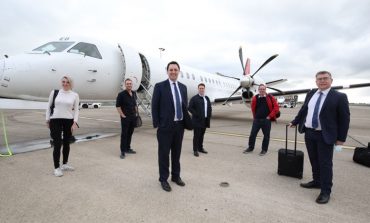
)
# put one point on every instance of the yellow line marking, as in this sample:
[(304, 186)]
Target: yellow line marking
[(273, 139)]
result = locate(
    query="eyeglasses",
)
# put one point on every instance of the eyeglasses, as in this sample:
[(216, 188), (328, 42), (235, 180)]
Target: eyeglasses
[(323, 79)]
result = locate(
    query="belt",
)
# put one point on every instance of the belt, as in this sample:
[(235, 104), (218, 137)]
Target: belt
[(314, 130)]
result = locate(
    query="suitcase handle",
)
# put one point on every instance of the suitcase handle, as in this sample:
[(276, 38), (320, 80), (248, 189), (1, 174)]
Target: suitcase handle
[(286, 139)]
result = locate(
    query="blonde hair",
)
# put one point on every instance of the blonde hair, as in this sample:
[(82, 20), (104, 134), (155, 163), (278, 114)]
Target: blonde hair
[(69, 79)]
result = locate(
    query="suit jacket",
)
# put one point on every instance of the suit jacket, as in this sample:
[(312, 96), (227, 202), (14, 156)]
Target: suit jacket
[(334, 116), (163, 109), (196, 108)]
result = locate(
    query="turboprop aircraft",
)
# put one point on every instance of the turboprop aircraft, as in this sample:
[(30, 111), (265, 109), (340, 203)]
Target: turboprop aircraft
[(98, 69)]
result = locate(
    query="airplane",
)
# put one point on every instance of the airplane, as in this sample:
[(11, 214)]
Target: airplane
[(99, 68)]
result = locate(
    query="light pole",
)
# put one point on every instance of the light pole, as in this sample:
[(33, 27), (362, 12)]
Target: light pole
[(160, 51)]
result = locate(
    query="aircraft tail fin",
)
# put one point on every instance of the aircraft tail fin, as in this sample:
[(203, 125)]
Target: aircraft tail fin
[(247, 67)]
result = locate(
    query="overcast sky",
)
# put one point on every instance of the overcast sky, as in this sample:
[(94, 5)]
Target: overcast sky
[(309, 36)]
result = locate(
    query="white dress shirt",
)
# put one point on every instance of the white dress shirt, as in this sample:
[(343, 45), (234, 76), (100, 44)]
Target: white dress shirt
[(205, 105), (311, 107)]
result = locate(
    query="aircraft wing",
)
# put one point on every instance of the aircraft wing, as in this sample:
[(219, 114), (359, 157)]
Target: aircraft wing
[(303, 91), (222, 100), (294, 92)]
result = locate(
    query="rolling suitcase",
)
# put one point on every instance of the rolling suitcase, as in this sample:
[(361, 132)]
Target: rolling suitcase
[(362, 155), (290, 162)]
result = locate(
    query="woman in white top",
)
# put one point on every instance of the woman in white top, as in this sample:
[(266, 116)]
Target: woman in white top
[(62, 118)]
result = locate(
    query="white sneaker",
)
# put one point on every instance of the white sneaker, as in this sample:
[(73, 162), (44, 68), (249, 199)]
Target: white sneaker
[(58, 172), (66, 167)]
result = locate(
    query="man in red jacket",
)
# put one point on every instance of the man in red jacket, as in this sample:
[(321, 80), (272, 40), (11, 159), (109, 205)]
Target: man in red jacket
[(264, 108)]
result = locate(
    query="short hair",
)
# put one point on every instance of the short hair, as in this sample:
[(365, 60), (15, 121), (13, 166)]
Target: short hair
[(323, 72), (264, 85), (201, 84), (173, 62), (69, 79), (127, 79)]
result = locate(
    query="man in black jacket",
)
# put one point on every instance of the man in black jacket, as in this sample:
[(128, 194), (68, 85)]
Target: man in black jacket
[(201, 110)]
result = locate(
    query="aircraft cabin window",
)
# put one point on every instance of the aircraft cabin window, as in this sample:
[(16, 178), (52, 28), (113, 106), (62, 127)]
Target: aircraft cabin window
[(86, 49), (182, 74), (54, 46), (201, 78), (192, 75), (187, 75)]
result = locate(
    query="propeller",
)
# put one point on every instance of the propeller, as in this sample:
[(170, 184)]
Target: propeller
[(247, 81)]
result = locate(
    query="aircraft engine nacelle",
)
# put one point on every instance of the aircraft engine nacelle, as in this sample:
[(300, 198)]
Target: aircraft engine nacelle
[(246, 82), (247, 94), (132, 67)]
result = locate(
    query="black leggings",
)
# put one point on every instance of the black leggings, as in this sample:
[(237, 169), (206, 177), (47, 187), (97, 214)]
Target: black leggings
[(57, 126)]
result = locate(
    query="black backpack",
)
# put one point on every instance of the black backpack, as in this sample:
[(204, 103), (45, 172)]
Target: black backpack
[(53, 103)]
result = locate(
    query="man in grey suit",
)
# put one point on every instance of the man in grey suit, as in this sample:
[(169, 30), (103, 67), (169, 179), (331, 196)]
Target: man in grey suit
[(324, 117), (170, 116)]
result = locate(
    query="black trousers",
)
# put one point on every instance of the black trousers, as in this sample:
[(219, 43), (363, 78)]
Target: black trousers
[(198, 138), (57, 126), (170, 140), (265, 125), (127, 129), (321, 159)]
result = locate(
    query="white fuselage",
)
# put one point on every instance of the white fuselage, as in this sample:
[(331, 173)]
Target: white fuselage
[(33, 75)]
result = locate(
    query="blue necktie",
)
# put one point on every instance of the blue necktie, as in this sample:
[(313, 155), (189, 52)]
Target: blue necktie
[(315, 117), (178, 104)]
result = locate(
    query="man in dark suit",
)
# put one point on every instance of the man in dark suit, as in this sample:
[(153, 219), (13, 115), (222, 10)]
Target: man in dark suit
[(324, 117), (201, 110), (169, 115)]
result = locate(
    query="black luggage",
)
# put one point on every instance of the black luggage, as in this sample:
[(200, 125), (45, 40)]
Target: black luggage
[(290, 162), (362, 155)]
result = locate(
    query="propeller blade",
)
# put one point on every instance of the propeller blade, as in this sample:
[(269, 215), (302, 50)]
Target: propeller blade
[(232, 94), (265, 63), (241, 58), (275, 89)]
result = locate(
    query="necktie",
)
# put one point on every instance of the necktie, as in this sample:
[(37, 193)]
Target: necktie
[(315, 117), (178, 104)]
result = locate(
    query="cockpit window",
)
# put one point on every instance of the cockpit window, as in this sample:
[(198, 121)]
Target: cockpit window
[(54, 46), (86, 49)]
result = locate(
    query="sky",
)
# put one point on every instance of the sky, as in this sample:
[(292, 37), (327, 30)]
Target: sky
[(206, 34)]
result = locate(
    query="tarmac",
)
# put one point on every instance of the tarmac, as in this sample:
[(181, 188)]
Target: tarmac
[(104, 188)]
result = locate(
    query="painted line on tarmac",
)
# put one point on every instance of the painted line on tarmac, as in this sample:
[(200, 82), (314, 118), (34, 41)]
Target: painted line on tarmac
[(259, 137), (222, 133)]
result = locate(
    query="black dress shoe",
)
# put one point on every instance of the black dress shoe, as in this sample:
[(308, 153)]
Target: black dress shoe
[(323, 198), (178, 181), (203, 151), (310, 185), (166, 186), (196, 153), (130, 151), (263, 152), (248, 150), (122, 156)]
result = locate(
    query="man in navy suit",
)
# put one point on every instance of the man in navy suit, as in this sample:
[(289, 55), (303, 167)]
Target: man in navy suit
[(324, 117), (169, 115), (201, 110)]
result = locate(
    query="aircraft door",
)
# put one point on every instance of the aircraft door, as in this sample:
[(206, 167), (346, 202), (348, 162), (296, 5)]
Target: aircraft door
[(132, 66)]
